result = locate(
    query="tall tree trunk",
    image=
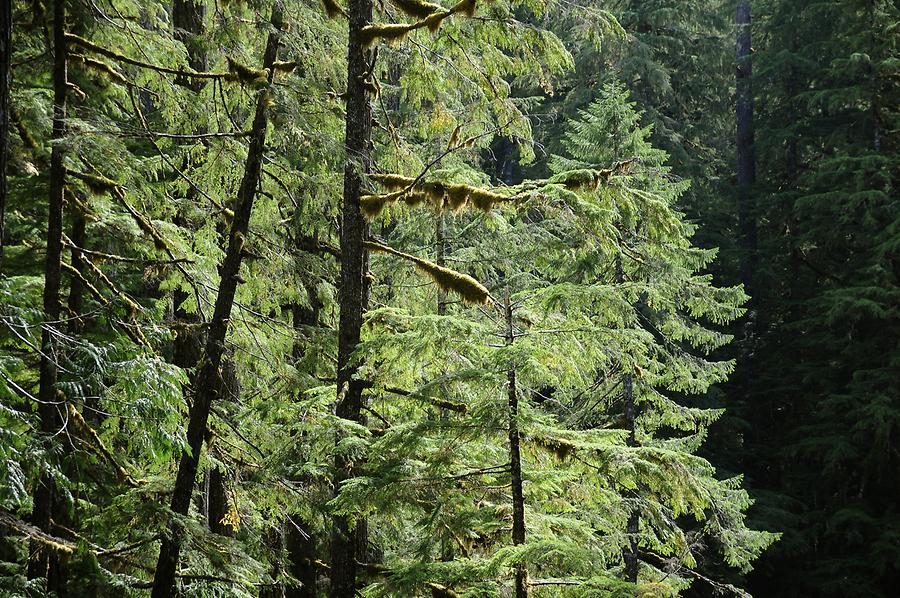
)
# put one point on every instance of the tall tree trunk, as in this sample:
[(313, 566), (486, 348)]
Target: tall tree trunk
[(5, 82), (630, 554), (188, 22), (352, 294), (515, 460), (746, 159), (634, 519), (42, 564), (189, 26), (208, 380)]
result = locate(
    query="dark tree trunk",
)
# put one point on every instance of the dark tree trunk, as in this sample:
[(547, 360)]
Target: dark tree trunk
[(515, 461), (5, 82), (746, 159), (352, 294), (188, 22), (630, 554), (42, 564), (634, 519), (208, 380), (187, 19), (301, 553), (216, 490)]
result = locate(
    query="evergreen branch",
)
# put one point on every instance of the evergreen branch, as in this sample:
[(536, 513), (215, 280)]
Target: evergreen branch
[(120, 258), (100, 448), (87, 45), (467, 287)]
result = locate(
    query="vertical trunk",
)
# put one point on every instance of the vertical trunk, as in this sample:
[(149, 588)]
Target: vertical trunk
[(301, 551), (746, 160), (515, 461), (187, 19), (5, 80), (630, 554), (41, 563), (634, 519), (208, 379), (357, 141), (188, 22)]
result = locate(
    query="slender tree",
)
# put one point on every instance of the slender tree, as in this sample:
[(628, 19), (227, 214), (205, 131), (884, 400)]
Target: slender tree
[(43, 563), (208, 385), (352, 298)]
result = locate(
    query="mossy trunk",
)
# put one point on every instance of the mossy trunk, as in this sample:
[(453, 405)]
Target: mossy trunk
[(352, 296), (42, 563), (208, 380)]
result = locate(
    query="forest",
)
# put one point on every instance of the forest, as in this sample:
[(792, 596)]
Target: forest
[(449, 298)]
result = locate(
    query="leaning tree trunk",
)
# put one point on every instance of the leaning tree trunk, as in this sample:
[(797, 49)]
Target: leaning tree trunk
[(352, 296), (515, 461), (5, 80), (208, 379), (746, 160), (42, 564)]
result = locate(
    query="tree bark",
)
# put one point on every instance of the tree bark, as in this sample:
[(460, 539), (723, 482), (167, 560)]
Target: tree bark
[(746, 159), (208, 379), (634, 519), (352, 294), (41, 563), (630, 554), (5, 83), (515, 460)]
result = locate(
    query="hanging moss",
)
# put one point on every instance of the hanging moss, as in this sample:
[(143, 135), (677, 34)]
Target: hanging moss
[(467, 7), (435, 191), (457, 196), (414, 198), (450, 405), (372, 205), (560, 447), (486, 200), (574, 180), (333, 9), (392, 182), (441, 196), (285, 67), (100, 67), (390, 32), (441, 591), (418, 8), (244, 74), (434, 20), (98, 185), (449, 280)]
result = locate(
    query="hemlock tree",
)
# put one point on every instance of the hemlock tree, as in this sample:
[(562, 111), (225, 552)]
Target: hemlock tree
[(435, 480), (483, 445)]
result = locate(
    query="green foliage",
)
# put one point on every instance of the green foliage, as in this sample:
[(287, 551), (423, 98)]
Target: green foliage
[(597, 257)]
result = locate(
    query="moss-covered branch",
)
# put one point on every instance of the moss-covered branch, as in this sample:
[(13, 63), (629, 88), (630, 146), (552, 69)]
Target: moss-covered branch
[(463, 285)]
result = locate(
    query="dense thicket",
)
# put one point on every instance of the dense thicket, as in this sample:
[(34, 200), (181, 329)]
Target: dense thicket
[(425, 299)]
